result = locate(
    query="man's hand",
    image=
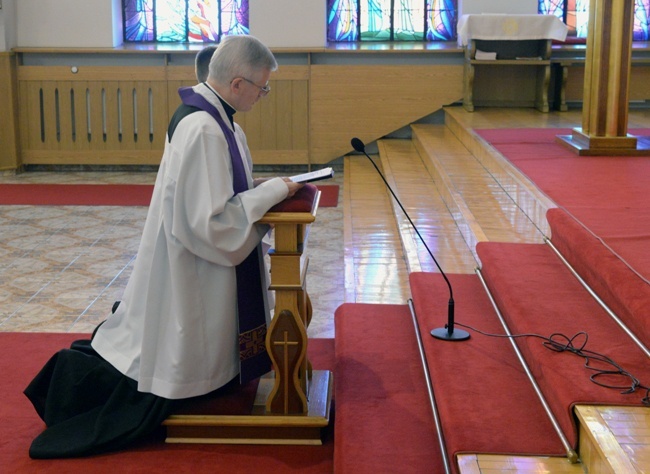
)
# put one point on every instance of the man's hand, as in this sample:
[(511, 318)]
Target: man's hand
[(293, 187)]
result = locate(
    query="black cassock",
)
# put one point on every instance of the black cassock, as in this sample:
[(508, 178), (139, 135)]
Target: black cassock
[(89, 407)]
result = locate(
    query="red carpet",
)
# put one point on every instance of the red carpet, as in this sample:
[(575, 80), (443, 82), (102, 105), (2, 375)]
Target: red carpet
[(384, 422), (486, 403), (603, 224), (76, 194), (102, 194), (624, 290), (537, 294), (23, 354), (329, 195), (609, 195)]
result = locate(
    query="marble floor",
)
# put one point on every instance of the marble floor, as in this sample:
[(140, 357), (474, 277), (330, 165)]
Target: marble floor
[(62, 267)]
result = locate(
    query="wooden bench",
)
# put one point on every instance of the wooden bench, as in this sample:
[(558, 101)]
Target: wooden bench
[(561, 67), (510, 57)]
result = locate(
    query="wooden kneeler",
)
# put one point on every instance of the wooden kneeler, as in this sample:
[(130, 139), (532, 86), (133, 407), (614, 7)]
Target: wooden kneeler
[(292, 402)]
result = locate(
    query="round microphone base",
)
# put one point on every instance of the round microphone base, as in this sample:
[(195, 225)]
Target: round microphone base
[(456, 335)]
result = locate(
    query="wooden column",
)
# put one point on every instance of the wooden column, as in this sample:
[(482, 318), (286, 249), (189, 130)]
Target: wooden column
[(606, 86)]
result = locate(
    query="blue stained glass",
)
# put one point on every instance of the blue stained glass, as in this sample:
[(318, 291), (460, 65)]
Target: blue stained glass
[(551, 7), (234, 17), (641, 13), (442, 20), (138, 20), (342, 20)]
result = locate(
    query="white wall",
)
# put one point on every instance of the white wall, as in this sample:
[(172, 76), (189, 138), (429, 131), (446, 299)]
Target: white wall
[(7, 25), (304, 27), (519, 7), (98, 23), (68, 23)]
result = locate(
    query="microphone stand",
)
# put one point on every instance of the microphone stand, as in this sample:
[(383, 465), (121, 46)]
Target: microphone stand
[(447, 333)]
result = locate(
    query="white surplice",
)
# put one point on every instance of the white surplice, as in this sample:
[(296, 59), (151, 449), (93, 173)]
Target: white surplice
[(176, 329)]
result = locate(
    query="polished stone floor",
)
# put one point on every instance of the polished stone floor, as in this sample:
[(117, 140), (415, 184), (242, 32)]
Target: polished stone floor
[(62, 267)]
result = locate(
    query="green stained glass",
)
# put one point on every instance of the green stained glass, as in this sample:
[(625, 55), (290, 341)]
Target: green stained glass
[(391, 20), (375, 20), (408, 22)]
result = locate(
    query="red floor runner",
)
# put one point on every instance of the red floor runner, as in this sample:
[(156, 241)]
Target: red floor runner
[(486, 403), (103, 194), (537, 294), (23, 354), (76, 194), (329, 195), (384, 421)]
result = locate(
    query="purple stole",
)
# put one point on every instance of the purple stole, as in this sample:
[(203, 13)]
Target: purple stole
[(253, 358)]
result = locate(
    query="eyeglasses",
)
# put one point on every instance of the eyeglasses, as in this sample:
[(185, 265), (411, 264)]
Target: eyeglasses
[(264, 90)]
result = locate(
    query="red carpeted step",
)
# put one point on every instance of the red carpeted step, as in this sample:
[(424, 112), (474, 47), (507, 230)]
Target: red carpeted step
[(486, 403), (620, 287), (537, 294), (607, 195), (384, 421)]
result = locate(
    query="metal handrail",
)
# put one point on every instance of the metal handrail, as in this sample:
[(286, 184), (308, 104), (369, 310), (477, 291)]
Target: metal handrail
[(571, 454), (432, 399), (611, 314)]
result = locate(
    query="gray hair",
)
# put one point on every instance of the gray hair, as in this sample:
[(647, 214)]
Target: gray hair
[(240, 56)]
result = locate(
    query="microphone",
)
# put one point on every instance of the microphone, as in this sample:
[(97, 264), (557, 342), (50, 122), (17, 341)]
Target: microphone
[(447, 333)]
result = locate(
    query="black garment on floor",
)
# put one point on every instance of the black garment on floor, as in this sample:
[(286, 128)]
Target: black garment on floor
[(89, 407)]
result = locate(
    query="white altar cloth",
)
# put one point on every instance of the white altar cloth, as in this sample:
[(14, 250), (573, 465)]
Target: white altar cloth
[(510, 27)]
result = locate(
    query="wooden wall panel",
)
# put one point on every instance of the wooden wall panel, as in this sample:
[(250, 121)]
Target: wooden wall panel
[(308, 118), (9, 151), (30, 117), (371, 101), (277, 126), (639, 83), (93, 116)]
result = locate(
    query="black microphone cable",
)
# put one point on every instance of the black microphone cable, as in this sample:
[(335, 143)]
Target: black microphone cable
[(607, 369)]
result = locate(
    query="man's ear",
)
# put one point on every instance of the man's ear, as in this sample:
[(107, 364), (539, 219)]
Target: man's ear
[(235, 85)]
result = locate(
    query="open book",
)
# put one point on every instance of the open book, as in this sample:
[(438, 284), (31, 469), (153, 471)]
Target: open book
[(325, 173)]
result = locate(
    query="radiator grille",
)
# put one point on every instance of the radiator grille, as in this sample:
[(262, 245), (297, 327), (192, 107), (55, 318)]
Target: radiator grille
[(115, 117)]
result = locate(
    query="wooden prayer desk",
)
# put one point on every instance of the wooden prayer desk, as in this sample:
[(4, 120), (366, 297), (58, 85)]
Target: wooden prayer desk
[(292, 403), (286, 340)]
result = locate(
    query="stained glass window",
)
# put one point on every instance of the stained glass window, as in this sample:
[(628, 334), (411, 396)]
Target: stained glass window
[(183, 20), (391, 20), (575, 13), (641, 14)]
